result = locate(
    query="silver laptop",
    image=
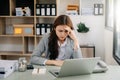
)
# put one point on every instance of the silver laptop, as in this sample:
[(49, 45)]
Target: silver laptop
[(72, 67)]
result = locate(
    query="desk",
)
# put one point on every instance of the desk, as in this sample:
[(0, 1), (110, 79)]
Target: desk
[(112, 74)]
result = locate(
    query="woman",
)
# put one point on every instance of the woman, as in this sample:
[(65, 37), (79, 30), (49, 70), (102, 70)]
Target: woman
[(57, 46)]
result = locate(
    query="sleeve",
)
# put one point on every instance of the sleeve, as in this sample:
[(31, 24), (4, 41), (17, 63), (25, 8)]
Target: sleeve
[(77, 53), (36, 57)]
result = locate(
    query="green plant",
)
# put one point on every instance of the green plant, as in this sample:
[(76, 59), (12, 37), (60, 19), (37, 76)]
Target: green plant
[(82, 28)]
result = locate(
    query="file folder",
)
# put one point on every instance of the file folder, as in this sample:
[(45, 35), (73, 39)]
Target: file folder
[(42, 9), (96, 9), (48, 11), (42, 28), (53, 10), (38, 9), (48, 28), (100, 9), (37, 29)]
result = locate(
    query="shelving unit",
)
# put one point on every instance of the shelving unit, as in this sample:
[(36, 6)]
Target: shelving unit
[(14, 46), (23, 45)]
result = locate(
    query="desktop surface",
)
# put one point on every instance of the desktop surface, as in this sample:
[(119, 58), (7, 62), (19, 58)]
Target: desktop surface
[(113, 73)]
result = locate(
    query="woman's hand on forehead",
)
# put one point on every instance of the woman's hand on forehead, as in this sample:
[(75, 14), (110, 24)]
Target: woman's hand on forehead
[(68, 29)]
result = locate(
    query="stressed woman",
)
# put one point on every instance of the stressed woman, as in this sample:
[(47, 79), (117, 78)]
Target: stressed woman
[(58, 45)]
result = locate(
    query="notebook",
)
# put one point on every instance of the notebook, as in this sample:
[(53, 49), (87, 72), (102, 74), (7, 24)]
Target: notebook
[(73, 67)]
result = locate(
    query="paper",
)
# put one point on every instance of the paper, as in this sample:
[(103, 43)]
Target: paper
[(7, 67), (38, 71)]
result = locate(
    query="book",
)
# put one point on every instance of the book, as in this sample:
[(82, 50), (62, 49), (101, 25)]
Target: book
[(38, 9), (53, 9), (42, 9), (96, 9), (42, 28), (100, 9), (37, 29), (48, 11)]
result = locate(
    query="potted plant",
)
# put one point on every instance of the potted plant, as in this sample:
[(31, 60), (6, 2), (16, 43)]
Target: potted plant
[(82, 28)]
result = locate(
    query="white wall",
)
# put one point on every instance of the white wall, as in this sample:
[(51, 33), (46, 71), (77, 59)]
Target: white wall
[(109, 47), (95, 35)]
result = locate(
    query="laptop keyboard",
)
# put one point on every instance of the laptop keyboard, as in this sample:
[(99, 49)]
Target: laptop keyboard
[(56, 73)]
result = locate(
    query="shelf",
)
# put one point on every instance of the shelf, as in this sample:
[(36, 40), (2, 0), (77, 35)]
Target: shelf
[(17, 35), (16, 16), (45, 16), (14, 54)]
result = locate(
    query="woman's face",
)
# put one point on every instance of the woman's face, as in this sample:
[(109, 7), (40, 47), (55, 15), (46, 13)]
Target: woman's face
[(62, 32)]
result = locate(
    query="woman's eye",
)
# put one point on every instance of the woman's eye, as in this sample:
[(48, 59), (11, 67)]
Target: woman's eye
[(66, 31), (60, 31)]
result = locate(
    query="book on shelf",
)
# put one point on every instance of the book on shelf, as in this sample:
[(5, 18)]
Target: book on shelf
[(38, 9), (72, 12), (53, 9), (42, 28), (72, 9), (48, 11), (37, 29), (45, 9), (42, 9)]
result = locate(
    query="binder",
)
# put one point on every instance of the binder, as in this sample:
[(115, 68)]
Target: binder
[(96, 9), (48, 28), (53, 10), (48, 11), (42, 9), (37, 29), (42, 28), (38, 9), (100, 9)]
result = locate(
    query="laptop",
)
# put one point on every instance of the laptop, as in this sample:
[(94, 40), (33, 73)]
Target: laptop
[(73, 67)]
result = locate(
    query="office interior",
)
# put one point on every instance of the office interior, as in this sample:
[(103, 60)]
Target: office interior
[(101, 35), (101, 17)]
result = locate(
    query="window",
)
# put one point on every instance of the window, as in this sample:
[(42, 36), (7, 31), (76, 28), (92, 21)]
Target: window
[(109, 14), (116, 38)]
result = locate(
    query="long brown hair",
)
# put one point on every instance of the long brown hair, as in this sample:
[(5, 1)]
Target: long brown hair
[(53, 45)]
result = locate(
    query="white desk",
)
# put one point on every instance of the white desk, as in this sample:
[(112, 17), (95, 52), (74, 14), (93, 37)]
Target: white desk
[(112, 74)]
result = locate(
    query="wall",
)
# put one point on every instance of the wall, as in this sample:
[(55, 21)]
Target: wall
[(95, 35), (109, 47)]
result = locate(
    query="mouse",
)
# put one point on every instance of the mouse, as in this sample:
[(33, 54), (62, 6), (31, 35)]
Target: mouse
[(100, 67), (102, 64)]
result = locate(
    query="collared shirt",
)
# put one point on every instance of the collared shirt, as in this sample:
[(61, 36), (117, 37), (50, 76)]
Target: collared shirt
[(62, 50)]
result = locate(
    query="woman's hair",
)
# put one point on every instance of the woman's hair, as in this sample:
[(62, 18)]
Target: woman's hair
[(53, 43)]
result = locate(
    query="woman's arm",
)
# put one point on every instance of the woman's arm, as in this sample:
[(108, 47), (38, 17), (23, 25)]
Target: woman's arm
[(54, 62), (36, 57), (73, 37)]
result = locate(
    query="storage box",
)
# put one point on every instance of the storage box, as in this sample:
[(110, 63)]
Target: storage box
[(23, 29)]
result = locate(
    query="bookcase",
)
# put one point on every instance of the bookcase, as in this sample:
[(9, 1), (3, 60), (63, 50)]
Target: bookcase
[(14, 46)]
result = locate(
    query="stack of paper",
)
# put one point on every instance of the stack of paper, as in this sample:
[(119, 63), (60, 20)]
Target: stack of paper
[(7, 67)]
